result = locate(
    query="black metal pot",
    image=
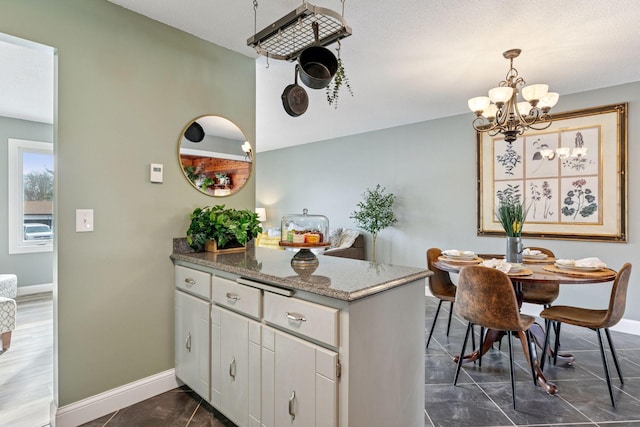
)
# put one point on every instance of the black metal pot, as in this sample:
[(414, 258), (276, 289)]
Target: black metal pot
[(318, 64), (294, 98)]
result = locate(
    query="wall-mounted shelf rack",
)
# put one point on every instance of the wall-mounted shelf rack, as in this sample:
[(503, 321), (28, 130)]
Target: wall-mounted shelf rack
[(291, 34)]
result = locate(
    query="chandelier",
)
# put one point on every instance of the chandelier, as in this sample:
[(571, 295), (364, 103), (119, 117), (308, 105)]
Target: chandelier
[(502, 113)]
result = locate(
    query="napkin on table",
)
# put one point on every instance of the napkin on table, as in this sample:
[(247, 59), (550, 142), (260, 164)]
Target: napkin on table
[(584, 262), (590, 262), (498, 264), (528, 252)]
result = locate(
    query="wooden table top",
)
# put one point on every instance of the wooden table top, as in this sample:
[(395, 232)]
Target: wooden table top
[(541, 273)]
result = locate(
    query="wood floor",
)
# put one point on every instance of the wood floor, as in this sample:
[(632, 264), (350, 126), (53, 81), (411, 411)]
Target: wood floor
[(26, 369)]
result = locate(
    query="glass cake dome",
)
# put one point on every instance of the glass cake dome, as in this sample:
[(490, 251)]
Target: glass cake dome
[(305, 229)]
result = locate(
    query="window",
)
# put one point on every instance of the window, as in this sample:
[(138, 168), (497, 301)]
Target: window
[(30, 196)]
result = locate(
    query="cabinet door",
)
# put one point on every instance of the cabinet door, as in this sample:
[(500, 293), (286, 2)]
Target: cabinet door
[(302, 380), (234, 375), (192, 342)]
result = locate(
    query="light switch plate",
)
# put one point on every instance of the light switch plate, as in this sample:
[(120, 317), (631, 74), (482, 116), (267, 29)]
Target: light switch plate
[(84, 220)]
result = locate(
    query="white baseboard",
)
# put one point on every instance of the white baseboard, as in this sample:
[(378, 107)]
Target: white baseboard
[(110, 401), (35, 289)]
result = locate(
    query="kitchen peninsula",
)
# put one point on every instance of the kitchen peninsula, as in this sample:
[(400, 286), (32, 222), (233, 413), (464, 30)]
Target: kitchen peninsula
[(339, 346)]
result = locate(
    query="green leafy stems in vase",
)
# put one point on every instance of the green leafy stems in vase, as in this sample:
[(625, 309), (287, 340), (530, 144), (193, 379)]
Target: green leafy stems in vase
[(511, 215)]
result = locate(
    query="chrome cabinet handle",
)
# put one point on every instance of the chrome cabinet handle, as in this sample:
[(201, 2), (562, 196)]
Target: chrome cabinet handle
[(295, 316), (291, 403), (233, 297), (188, 342), (232, 369), (190, 282)]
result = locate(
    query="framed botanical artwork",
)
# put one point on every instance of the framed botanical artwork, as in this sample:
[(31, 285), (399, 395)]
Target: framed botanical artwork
[(571, 177)]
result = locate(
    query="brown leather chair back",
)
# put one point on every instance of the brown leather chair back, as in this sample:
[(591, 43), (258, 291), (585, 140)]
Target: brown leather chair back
[(440, 282), (618, 300), (486, 297)]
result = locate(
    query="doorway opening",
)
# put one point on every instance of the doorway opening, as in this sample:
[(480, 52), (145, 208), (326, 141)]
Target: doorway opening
[(28, 225)]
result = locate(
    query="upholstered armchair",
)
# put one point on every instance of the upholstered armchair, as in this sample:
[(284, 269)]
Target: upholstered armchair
[(8, 290)]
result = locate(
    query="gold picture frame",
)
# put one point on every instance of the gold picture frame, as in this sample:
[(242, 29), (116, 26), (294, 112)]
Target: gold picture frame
[(581, 197)]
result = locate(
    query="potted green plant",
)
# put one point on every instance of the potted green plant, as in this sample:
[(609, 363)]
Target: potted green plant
[(375, 213), (206, 182), (223, 178), (230, 229), (192, 173)]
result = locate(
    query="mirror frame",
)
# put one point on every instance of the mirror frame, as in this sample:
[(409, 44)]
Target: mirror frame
[(246, 149)]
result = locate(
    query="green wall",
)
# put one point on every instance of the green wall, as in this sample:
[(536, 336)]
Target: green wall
[(431, 168), (34, 268), (127, 86)]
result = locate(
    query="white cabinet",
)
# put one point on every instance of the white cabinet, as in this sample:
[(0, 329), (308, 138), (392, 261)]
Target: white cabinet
[(235, 351), (192, 342), (235, 366), (269, 358), (299, 384)]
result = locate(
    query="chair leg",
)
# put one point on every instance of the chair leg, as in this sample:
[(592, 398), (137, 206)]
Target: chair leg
[(450, 313), (6, 340), (511, 372), (615, 356), (464, 346), (545, 347), (606, 367), (531, 346), (481, 345), (433, 325), (473, 338), (557, 344)]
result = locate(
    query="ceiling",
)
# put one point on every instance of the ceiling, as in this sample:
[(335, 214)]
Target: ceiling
[(415, 60), (26, 80)]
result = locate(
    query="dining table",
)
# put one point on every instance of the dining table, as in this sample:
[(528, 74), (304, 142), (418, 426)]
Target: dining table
[(534, 271)]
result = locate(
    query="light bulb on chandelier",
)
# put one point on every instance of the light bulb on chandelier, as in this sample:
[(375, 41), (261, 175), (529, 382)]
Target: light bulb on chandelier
[(564, 153), (501, 113)]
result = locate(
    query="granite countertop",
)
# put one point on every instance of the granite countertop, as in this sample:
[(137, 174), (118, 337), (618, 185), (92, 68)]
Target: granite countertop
[(339, 278)]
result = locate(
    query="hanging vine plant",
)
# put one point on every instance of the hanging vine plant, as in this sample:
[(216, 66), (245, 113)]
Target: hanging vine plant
[(339, 80)]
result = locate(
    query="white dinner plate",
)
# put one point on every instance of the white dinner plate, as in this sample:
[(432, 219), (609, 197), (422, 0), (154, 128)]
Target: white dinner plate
[(460, 257), (536, 256), (577, 267), (516, 267)]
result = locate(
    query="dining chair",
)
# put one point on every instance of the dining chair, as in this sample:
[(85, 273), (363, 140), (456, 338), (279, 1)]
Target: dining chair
[(486, 297), (441, 287), (596, 320)]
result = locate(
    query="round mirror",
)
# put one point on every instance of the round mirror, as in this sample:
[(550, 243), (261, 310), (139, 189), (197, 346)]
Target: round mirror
[(215, 156)]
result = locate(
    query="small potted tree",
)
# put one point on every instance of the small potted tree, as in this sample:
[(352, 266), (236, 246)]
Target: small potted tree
[(218, 229), (375, 213)]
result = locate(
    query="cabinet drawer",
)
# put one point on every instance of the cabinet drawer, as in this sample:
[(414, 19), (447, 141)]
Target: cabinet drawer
[(241, 298), (193, 281), (305, 318)]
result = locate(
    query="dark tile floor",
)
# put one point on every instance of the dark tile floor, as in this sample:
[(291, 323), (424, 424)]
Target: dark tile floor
[(482, 396)]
